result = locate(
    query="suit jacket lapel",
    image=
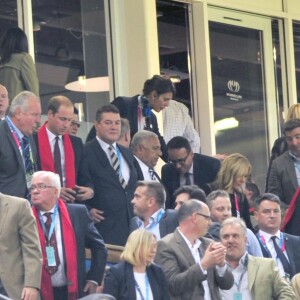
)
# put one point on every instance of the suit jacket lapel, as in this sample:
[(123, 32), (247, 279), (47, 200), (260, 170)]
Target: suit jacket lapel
[(290, 254), (252, 271), (290, 169), (3, 211), (163, 225)]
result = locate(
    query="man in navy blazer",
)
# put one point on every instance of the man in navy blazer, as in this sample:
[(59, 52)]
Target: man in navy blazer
[(186, 168), (268, 217), (23, 115), (148, 206), (110, 207)]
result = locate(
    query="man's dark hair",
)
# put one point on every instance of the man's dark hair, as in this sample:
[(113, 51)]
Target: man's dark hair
[(158, 84), (193, 190), (251, 186), (154, 189), (291, 124), (109, 108), (267, 196), (179, 142)]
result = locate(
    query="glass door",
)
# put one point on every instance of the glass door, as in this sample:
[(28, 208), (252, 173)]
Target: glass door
[(244, 92)]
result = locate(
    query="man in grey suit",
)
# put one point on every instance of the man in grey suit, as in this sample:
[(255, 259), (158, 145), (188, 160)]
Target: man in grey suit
[(148, 206), (20, 252), (194, 266), (17, 148), (255, 277)]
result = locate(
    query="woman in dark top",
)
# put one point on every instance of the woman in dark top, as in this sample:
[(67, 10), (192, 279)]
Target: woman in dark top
[(137, 277), (232, 177)]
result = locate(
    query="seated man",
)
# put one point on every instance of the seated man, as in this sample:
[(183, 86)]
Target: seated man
[(65, 230), (282, 247), (187, 192), (255, 277), (194, 266), (220, 209), (186, 167), (145, 147), (148, 206)]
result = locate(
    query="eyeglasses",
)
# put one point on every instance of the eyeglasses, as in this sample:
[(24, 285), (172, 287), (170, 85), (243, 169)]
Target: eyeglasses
[(74, 123), (40, 187), (208, 218), (179, 161)]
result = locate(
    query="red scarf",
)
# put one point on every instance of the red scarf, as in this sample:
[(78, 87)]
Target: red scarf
[(70, 251), (290, 211), (47, 161)]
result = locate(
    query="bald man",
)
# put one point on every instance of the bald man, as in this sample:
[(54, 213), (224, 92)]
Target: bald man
[(4, 101)]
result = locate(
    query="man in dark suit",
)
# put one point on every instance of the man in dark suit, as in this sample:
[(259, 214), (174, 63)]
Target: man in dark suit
[(114, 177), (62, 153), (186, 168), (194, 266), (145, 147), (17, 148), (148, 206), (65, 231), (268, 217)]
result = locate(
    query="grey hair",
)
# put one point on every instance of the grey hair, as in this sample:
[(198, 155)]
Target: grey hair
[(214, 195), (54, 178), (188, 208), (21, 101), (139, 137), (234, 220)]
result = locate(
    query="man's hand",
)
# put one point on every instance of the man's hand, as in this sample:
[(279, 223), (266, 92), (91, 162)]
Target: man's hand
[(83, 193), (67, 194), (29, 293), (214, 255), (97, 215), (90, 287)]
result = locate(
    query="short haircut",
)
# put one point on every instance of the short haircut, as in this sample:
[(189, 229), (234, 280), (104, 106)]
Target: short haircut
[(269, 197), (231, 221), (109, 108), (179, 142), (188, 208), (21, 101), (140, 137), (291, 125), (193, 190), (57, 101), (214, 195), (138, 246), (53, 178), (233, 166), (158, 84), (156, 190)]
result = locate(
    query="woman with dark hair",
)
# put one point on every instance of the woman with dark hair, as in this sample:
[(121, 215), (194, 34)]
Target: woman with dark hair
[(136, 277), (17, 69)]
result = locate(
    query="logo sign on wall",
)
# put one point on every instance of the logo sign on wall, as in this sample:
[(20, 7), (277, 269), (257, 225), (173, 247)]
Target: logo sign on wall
[(233, 87)]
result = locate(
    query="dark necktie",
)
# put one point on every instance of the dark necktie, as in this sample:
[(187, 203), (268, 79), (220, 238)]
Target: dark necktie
[(281, 256), (26, 154), (57, 160), (52, 243), (187, 178), (116, 165), (152, 175)]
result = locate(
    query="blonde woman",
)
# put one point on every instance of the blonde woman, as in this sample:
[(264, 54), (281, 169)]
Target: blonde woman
[(137, 277), (232, 177)]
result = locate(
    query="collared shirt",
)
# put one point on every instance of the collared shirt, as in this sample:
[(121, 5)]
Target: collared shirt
[(296, 165), (240, 275), (153, 225), (270, 245), (58, 278), (52, 140), (191, 174), (145, 170), (125, 171)]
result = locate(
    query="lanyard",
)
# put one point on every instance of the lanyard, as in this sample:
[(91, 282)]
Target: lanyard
[(238, 284), (18, 140), (155, 223), (263, 242), (147, 288), (52, 223)]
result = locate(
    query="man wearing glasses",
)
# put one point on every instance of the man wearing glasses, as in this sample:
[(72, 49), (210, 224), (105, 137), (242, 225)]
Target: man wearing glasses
[(185, 168), (194, 266)]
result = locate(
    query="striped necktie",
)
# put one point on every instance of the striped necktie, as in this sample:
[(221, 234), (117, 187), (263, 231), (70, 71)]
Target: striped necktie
[(116, 165)]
